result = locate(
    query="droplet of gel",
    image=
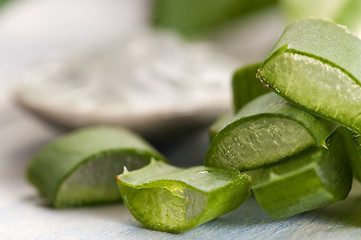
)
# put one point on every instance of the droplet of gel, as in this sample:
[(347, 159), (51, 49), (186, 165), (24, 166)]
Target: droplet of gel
[(125, 170)]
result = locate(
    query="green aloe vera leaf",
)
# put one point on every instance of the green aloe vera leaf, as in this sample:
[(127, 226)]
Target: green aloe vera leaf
[(79, 168), (304, 182), (194, 17), (266, 131), (246, 86), (352, 143), (316, 65), (166, 198), (345, 12)]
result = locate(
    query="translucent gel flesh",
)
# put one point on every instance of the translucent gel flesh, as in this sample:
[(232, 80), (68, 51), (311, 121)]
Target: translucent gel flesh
[(94, 182), (177, 209), (258, 142), (316, 86)]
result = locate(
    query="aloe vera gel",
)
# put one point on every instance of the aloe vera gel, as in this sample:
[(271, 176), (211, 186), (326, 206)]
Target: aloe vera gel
[(166, 198), (266, 131)]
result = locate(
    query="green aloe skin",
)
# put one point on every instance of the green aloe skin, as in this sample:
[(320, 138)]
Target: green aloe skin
[(79, 168), (353, 148), (245, 86), (304, 182), (316, 65), (265, 131), (166, 198)]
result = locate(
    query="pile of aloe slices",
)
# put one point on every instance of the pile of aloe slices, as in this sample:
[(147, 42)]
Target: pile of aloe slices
[(295, 148)]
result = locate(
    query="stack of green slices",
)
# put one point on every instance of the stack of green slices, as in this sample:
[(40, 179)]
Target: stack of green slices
[(295, 148)]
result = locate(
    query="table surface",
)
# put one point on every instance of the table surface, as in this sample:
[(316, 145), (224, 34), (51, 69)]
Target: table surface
[(22, 215)]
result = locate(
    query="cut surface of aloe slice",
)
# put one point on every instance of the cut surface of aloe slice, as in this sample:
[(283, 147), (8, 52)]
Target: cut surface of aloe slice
[(166, 198), (316, 65), (246, 86), (265, 131), (304, 182), (79, 168)]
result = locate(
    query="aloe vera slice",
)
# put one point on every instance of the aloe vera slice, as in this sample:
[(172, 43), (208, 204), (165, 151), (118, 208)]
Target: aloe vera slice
[(246, 86), (266, 131), (352, 143), (79, 168), (166, 198), (304, 182), (316, 65)]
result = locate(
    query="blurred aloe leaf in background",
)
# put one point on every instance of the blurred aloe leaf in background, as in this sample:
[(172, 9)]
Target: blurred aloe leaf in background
[(345, 12), (2, 2), (194, 17)]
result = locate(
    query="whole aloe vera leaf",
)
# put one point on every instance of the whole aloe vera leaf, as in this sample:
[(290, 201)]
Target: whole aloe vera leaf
[(194, 17), (352, 144), (79, 168), (166, 198), (304, 182), (316, 65), (266, 131), (246, 86)]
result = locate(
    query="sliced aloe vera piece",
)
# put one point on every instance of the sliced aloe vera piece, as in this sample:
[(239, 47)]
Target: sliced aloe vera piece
[(352, 144), (304, 182), (316, 65), (79, 168), (265, 131), (246, 86), (166, 198)]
